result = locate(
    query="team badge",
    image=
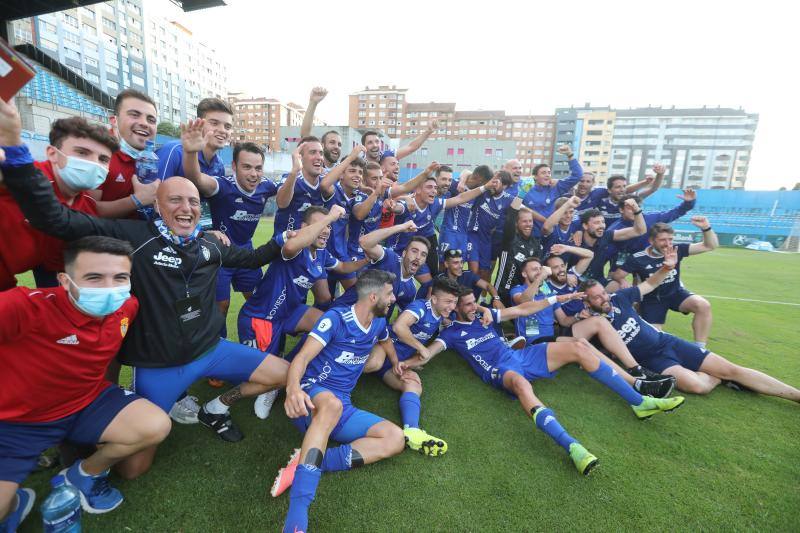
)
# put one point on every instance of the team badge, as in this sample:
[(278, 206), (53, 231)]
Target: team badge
[(206, 253), (123, 326)]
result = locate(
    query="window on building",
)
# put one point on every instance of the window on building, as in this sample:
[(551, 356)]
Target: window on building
[(460, 151), (450, 151), (487, 152)]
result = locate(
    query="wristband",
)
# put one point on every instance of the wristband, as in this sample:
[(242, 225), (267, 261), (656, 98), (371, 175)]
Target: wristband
[(16, 156), (482, 188), (552, 300), (639, 212), (495, 298), (136, 202), (666, 268), (707, 229)]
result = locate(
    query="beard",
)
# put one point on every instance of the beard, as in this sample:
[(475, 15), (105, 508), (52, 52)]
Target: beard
[(329, 157)]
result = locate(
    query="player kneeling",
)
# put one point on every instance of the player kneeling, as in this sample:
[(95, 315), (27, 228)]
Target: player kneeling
[(321, 378), (512, 370)]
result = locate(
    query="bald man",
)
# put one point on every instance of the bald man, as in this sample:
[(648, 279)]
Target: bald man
[(175, 339)]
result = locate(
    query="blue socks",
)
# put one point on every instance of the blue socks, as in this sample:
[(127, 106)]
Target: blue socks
[(337, 459), (304, 487), (606, 375), (409, 409), (545, 420)]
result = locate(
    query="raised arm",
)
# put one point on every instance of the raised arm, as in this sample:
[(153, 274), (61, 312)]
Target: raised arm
[(143, 194), (416, 144), (362, 209), (399, 189), (531, 290), (584, 254), (308, 233), (534, 306), (576, 171), (710, 239), (466, 196), (317, 95), (552, 221), (331, 178), (371, 242), (286, 191), (650, 284), (639, 225), (192, 141)]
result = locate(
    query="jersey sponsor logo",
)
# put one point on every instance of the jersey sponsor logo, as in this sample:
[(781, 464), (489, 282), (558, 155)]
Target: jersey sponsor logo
[(471, 343), (239, 200), (421, 335), (489, 212), (520, 257), (243, 216), (649, 267), (629, 330), (303, 282), (169, 249), (206, 253), (123, 326), (120, 178), (69, 339), (463, 334), (324, 324), (127, 392), (278, 303), (349, 358), (165, 260)]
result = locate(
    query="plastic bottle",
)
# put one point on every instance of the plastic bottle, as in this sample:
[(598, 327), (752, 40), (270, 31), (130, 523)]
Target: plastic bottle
[(61, 511), (147, 172)]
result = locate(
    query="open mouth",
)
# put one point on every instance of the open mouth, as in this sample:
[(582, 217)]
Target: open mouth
[(184, 221), (221, 138), (141, 132)]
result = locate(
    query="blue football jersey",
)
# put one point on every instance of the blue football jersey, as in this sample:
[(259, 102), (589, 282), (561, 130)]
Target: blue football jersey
[(592, 200), (643, 265), (457, 219), (405, 290), (236, 212), (425, 217), (337, 242), (305, 195), (479, 345), (572, 307), (285, 284), (487, 213), (424, 329), (541, 323), (346, 346), (635, 332), (560, 236), (358, 228)]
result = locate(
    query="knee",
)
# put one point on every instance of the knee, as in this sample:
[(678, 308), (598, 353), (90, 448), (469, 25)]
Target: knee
[(329, 411), (702, 307), (694, 386), (395, 441), (584, 352), (134, 466), (157, 428)]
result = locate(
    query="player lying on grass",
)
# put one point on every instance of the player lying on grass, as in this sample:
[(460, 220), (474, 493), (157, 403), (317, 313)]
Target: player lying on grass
[(696, 369), (513, 370)]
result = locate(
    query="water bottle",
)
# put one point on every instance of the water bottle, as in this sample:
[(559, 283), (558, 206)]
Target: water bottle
[(61, 511), (147, 172)]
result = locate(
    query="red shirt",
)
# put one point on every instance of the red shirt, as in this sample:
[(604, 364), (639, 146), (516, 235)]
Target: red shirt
[(22, 247), (118, 182), (53, 357), (387, 218)]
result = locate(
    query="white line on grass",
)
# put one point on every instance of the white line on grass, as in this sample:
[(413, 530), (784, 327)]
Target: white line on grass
[(751, 300)]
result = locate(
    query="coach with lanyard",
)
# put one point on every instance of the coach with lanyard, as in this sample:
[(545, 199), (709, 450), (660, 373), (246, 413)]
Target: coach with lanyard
[(175, 339)]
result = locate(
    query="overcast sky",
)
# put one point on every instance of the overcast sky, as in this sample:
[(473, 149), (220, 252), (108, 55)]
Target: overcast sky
[(525, 57)]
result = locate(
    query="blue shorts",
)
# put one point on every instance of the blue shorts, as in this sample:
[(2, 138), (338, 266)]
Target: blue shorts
[(453, 240), (21, 443), (353, 424), (673, 351), (243, 280), (227, 361), (404, 351), (530, 363), (655, 311), (268, 335), (480, 250)]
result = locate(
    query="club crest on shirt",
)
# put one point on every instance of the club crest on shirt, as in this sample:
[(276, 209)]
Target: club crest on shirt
[(206, 253), (123, 326)]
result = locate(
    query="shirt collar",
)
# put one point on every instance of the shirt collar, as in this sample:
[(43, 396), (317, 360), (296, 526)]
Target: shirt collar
[(73, 314)]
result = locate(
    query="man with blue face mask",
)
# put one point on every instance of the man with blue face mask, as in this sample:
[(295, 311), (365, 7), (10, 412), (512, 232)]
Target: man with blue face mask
[(55, 345), (77, 161)]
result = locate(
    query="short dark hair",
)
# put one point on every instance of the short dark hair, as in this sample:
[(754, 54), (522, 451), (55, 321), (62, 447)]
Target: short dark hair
[(360, 163), (247, 147), (539, 167), (444, 168), (621, 202), (505, 177), (559, 202), (309, 139), (372, 280), (80, 128), (96, 244), (420, 238), (590, 214), (131, 93), (313, 210), (587, 284), (484, 172), (207, 105), (372, 165), (325, 135), (464, 291), (612, 179), (552, 256), (367, 134), (530, 259), (660, 227), (446, 285)]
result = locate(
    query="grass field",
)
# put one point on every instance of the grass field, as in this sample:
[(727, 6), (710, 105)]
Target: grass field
[(728, 461)]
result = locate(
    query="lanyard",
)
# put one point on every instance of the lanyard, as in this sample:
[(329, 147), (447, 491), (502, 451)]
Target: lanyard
[(186, 279)]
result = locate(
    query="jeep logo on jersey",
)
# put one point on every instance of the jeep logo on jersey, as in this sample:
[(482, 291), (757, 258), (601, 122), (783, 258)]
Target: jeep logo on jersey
[(349, 358), (161, 259), (302, 281)]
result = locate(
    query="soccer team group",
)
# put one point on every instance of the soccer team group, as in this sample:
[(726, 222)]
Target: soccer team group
[(126, 276)]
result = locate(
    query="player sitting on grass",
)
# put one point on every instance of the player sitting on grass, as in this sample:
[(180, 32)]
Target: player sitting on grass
[(513, 370), (697, 370)]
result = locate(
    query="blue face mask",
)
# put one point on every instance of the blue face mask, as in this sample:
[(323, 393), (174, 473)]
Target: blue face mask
[(100, 301), (128, 149), (80, 174)]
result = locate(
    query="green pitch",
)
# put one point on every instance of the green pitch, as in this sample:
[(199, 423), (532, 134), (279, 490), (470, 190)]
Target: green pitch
[(723, 462)]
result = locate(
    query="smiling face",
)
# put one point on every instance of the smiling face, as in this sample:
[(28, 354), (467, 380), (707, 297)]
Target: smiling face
[(542, 177), (249, 168), (662, 241), (352, 178), (595, 226), (454, 266), (372, 178), (443, 181), (426, 193), (220, 125), (598, 299), (525, 223), (531, 270), (322, 240), (332, 148), (616, 188), (373, 145), (136, 122), (443, 303), (558, 269), (514, 168), (391, 168), (383, 300), (585, 185), (312, 159), (414, 256), (178, 203), (466, 308)]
